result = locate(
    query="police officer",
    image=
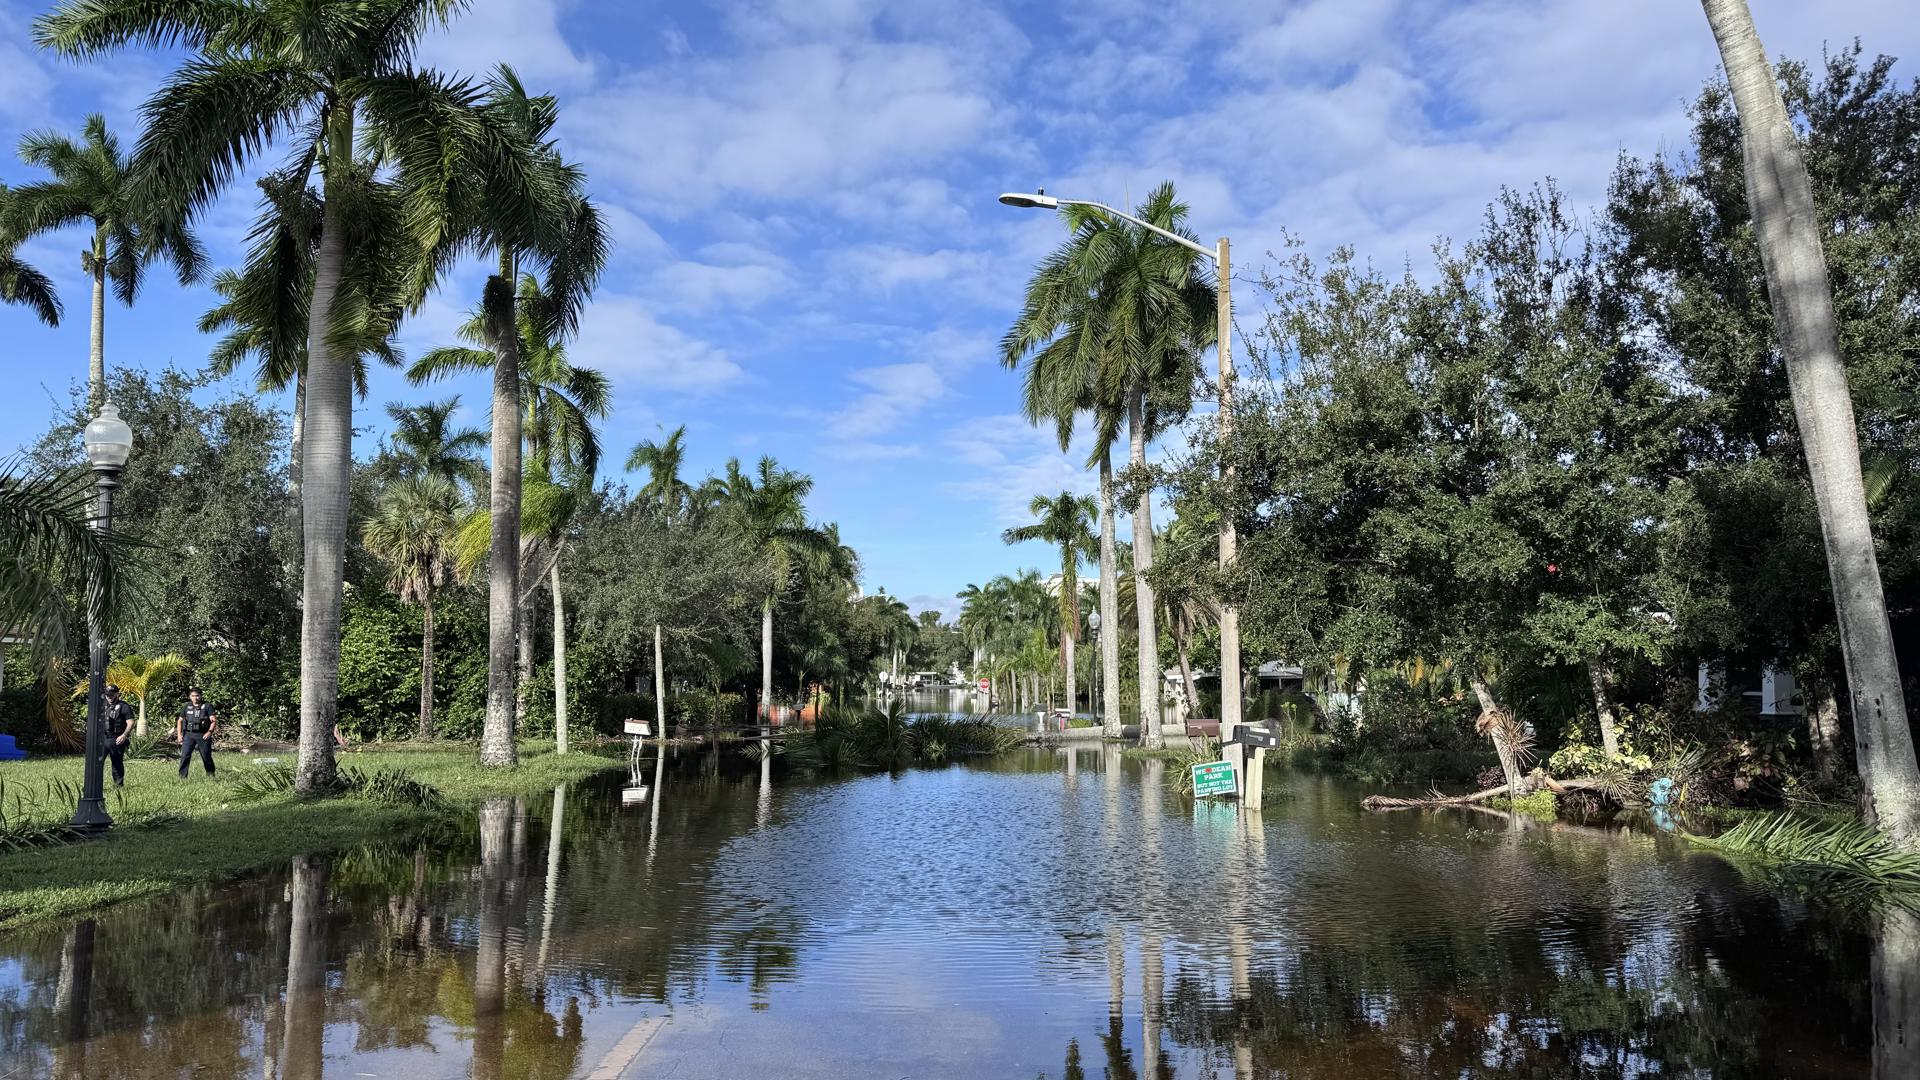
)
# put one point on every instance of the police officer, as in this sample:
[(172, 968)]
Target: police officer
[(117, 715), (195, 728)]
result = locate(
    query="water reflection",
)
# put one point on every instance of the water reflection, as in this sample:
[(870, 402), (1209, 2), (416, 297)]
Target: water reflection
[(1021, 916)]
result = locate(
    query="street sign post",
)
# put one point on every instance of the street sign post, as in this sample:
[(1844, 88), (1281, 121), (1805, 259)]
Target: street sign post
[(1214, 778)]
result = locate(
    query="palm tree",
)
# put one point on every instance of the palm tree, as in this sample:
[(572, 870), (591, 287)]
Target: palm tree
[(662, 461), (312, 69), (531, 213), (1112, 323), (264, 306), (555, 424), (428, 444), (896, 619), (93, 183), (141, 676), (413, 533), (772, 513), (1787, 225), (1064, 521), (20, 283)]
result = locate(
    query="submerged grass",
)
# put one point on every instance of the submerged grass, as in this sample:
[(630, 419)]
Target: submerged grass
[(1847, 859), (890, 739), (171, 833)]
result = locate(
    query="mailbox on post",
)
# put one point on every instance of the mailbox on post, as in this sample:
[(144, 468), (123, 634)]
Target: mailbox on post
[(1257, 736)]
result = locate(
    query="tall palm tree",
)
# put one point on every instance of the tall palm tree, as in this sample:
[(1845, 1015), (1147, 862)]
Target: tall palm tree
[(428, 443), (560, 446), (413, 533), (770, 509), (314, 70), (20, 283), (896, 619), (1064, 521), (675, 497), (530, 213), (1787, 224), (1112, 324), (93, 184)]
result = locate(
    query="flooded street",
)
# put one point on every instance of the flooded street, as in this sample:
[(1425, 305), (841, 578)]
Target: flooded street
[(1047, 913)]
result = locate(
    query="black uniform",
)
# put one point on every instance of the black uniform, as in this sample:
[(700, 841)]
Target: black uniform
[(196, 721), (118, 716)]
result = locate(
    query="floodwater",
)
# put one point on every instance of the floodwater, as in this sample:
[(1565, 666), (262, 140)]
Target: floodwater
[(1048, 913)]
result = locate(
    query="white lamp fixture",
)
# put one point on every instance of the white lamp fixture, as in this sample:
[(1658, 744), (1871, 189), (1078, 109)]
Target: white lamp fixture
[(109, 439)]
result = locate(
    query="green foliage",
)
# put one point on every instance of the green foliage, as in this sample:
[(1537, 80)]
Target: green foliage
[(890, 739), (1541, 805), (1847, 858)]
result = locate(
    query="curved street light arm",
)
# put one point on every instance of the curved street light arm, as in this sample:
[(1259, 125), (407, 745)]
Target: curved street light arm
[(1210, 253)]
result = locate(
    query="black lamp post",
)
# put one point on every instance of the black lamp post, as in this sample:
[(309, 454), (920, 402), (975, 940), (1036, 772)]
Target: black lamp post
[(109, 442)]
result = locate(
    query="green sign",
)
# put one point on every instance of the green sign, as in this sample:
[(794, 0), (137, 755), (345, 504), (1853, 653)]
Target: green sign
[(1214, 778)]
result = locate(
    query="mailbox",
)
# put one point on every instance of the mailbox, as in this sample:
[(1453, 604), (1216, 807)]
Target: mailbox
[(1263, 736), (639, 728)]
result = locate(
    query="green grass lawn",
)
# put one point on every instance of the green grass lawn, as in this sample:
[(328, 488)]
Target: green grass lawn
[(171, 833)]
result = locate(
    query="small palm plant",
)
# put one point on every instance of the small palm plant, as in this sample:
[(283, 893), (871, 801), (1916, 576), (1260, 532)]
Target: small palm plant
[(139, 678), (413, 533)]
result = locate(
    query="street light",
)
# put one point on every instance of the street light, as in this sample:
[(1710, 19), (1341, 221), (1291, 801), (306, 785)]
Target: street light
[(109, 442), (1093, 623), (1230, 688)]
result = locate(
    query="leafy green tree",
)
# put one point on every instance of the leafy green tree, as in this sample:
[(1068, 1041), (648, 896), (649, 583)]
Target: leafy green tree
[(1064, 521), (413, 533), (254, 73), (93, 184)]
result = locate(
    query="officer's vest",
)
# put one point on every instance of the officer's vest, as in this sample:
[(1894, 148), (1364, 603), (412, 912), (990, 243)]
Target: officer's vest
[(197, 718)]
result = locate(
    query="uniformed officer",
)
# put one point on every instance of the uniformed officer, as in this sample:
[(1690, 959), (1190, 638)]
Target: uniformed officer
[(195, 727), (117, 715)]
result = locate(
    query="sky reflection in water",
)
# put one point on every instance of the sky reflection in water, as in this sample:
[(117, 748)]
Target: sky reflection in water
[(1046, 913)]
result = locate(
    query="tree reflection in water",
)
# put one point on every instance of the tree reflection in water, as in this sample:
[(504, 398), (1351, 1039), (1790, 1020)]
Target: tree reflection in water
[(1403, 946)]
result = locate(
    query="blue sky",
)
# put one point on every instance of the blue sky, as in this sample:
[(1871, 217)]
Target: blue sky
[(811, 262)]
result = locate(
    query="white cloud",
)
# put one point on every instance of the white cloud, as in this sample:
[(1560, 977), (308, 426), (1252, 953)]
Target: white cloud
[(523, 33), (891, 394), (794, 124), (1007, 461), (621, 336)]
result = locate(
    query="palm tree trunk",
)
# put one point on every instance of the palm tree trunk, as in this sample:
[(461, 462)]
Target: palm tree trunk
[(659, 688), (1109, 605), (1143, 562), (1823, 727), (303, 1047), (559, 660), (497, 746), (1181, 638), (426, 668), (1497, 731), (140, 721), (97, 356), (1600, 677), (766, 656), (1787, 224), (1069, 621), (522, 649), (299, 429), (326, 470)]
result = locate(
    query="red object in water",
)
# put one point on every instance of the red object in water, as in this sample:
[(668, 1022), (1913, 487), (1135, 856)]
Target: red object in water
[(1553, 568)]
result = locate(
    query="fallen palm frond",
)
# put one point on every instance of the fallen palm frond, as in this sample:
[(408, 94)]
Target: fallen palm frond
[(1849, 858)]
